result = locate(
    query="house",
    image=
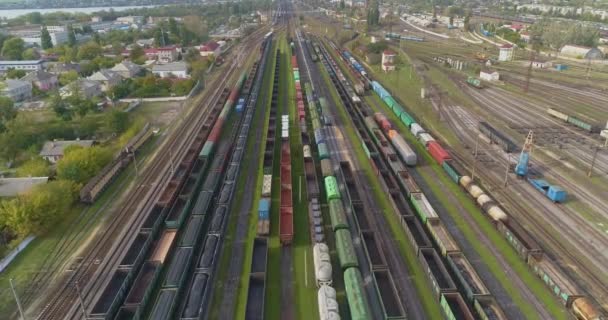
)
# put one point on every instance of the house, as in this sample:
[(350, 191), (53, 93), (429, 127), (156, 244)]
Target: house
[(42, 80), (506, 53), (388, 60), (210, 48), (525, 36), (12, 187), (17, 90), (127, 69), (176, 69), (52, 151), (489, 75), (163, 54), (581, 52), (107, 78), (27, 65), (60, 68), (87, 88)]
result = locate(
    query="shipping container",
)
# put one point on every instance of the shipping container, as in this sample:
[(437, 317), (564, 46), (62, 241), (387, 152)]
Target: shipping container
[(583, 309), (425, 138), (356, 296), (323, 151), (407, 119), (267, 185), (264, 208), (383, 121), (345, 249), (403, 148), (437, 152)]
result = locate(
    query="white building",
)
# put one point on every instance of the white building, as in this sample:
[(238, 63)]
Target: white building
[(170, 70), (489, 75), (17, 90), (506, 53), (35, 38), (538, 64), (27, 65), (388, 60)]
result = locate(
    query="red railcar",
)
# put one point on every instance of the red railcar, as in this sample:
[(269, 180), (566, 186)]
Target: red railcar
[(437, 152), (286, 225)]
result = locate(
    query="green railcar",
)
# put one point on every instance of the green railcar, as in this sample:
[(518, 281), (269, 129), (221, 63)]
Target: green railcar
[(323, 151), (474, 82), (324, 106), (316, 123), (331, 188), (407, 119), (450, 169), (582, 124), (337, 215), (356, 296), (390, 102), (206, 151), (346, 250)]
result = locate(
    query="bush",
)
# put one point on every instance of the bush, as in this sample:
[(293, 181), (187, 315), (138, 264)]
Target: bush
[(35, 167), (81, 164)]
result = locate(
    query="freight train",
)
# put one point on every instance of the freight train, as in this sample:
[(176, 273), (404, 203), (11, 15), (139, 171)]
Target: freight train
[(559, 283), (591, 128), (452, 302), (93, 189)]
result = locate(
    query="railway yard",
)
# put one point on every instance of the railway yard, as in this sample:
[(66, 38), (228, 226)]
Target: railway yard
[(304, 183)]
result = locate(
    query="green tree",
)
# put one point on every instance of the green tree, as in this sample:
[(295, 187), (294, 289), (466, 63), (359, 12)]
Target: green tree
[(7, 112), (61, 107), (373, 13), (173, 29), (40, 209), (45, 38), (117, 121), (80, 164), (89, 51), (34, 18), (71, 36), (136, 53), (13, 48), (15, 73), (35, 167), (30, 54), (68, 77)]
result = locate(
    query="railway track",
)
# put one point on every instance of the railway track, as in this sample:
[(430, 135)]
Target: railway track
[(379, 224), (558, 251), (106, 250)]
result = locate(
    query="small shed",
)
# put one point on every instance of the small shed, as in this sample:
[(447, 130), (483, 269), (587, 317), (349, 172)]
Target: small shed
[(489, 75)]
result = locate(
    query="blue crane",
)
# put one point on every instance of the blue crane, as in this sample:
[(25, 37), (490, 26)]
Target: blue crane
[(524, 158)]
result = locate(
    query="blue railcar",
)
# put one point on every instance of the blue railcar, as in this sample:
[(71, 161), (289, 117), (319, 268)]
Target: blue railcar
[(264, 209), (553, 192)]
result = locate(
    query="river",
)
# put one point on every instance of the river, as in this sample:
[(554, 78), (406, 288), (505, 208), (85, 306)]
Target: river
[(18, 12)]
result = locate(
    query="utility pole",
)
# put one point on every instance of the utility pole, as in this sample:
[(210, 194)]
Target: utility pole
[(475, 157), (507, 169), (593, 161), (17, 299), (135, 163), (529, 74)]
